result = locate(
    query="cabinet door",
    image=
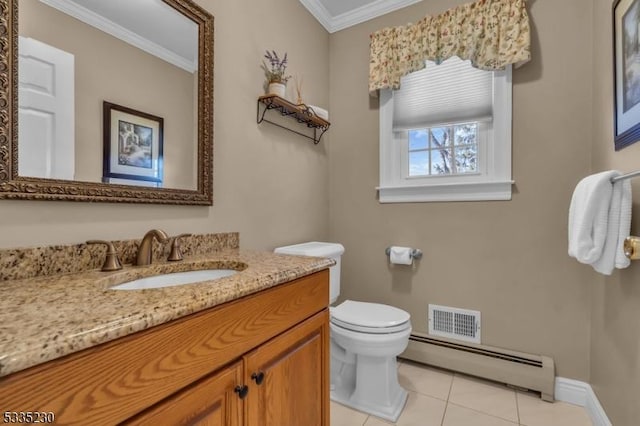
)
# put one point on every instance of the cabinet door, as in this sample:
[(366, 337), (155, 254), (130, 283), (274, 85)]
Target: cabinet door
[(208, 402), (288, 377)]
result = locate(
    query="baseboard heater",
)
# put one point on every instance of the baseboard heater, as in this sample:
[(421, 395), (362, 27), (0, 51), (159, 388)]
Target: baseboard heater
[(533, 372)]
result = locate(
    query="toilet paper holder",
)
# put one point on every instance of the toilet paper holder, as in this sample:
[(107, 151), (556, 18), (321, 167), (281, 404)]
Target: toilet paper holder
[(415, 253)]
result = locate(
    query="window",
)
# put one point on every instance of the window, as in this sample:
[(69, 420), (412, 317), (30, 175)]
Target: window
[(445, 135), (443, 150)]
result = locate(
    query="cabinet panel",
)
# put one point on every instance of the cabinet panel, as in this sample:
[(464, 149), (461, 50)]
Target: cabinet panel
[(294, 389), (209, 402)]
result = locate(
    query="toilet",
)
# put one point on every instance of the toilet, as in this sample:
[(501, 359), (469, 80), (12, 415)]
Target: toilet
[(365, 340)]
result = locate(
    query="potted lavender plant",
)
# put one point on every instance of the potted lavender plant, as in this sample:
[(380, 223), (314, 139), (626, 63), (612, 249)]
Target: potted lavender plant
[(275, 73)]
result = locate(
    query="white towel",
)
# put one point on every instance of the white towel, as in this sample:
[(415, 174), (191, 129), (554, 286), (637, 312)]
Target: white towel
[(599, 221)]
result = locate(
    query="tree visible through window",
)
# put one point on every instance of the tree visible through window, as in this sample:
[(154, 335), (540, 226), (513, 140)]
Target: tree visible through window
[(444, 150)]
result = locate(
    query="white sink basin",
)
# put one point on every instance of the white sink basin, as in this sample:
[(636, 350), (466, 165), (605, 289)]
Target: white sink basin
[(175, 279)]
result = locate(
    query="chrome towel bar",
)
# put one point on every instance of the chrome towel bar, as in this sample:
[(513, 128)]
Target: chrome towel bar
[(626, 176)]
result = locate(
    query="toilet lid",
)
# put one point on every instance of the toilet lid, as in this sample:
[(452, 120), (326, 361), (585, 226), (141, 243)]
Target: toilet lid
[(369, 317)]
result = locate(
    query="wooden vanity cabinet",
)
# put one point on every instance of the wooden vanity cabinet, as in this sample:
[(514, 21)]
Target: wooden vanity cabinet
[(283, 379), (262, 360), (287, 377), (212, 402)]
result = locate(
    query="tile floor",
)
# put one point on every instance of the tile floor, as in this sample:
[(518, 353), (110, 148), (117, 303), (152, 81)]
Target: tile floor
[(442, 398)]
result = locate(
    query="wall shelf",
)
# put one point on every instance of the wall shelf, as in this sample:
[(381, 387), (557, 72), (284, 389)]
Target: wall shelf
[(301, 113)]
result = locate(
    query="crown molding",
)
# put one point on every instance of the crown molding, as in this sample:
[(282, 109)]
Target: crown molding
[(103, 24), (355, 16), (322, 15)]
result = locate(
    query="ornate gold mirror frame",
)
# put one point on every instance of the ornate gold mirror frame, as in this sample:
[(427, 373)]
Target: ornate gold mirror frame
[(13, 186)]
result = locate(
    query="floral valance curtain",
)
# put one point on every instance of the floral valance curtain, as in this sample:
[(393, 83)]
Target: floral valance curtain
[(489, 33)]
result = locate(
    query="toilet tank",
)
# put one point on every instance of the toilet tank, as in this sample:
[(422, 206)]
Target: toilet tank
[(319, 249)]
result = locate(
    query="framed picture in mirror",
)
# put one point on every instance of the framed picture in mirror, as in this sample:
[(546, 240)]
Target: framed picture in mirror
[(132, 145), (626, 66)]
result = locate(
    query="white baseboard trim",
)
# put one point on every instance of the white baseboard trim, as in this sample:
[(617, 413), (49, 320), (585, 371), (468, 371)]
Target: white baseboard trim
[(580, 393)]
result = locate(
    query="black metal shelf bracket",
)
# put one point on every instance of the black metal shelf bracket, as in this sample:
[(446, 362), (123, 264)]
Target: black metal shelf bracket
[(318, 130)]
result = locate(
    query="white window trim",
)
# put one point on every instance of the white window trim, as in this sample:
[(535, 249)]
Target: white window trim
[(492, 183)]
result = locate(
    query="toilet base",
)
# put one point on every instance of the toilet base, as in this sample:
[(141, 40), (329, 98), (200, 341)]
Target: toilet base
[(390, 412), (369, 385)]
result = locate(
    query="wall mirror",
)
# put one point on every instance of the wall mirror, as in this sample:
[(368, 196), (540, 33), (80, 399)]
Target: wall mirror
[(100, 101)]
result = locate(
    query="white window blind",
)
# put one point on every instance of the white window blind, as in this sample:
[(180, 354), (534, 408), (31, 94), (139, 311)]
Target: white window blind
[(453, 91), (473, 162)]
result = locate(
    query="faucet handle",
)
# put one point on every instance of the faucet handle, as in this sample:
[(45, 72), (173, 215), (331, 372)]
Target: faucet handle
[(176, 254), (111, 261)]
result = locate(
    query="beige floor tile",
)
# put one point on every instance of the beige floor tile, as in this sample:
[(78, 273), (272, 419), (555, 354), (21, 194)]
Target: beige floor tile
[(535, 412), (374, 421), (480, 395), (345, 416), (422, 410), (425, 380), (460, 416)]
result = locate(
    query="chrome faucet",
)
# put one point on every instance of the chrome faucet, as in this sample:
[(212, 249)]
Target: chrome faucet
[(145, 250)]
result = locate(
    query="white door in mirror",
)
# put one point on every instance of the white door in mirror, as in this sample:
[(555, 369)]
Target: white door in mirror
[(46, 111), (175, 279)]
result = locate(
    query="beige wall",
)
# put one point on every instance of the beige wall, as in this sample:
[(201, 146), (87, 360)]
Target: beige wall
[(506, 259), (270, 185), (128, 77), (615, 306)]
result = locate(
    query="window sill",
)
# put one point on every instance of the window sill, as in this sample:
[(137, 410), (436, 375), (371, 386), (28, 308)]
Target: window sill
[(468, 191)]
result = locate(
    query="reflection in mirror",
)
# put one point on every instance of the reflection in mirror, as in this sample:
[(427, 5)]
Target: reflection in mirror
[(78, 56)]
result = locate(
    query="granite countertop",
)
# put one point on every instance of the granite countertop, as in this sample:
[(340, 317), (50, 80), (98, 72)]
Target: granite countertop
[(43, 318)]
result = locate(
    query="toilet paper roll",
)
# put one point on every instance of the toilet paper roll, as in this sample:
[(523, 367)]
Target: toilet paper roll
[(400, 255)]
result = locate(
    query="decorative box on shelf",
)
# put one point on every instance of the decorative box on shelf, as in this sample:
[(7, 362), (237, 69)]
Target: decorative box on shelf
[(301, 113)]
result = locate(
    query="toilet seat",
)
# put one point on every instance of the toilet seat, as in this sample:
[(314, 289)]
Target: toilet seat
[(373, 318)]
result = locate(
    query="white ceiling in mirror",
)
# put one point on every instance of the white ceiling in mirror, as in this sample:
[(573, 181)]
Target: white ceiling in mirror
[(336, 15), (141, 23)]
